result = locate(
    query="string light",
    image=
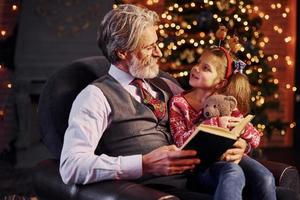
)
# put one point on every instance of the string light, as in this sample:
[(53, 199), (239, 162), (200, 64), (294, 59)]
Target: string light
[(3, 33), (14, 7), (255, 60)]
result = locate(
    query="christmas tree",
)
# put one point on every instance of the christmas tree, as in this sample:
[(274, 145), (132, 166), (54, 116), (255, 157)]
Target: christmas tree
[(188, 27)]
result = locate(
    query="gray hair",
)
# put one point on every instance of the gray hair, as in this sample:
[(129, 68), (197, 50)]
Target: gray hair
[(122, 27)]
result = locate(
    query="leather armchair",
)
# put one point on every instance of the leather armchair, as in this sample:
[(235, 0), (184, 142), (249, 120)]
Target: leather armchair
[(53, 112)]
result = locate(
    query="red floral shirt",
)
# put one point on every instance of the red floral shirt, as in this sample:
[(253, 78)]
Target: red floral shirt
[(184, 118)]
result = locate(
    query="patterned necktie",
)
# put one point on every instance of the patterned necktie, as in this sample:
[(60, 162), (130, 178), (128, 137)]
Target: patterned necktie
[(157, 106)]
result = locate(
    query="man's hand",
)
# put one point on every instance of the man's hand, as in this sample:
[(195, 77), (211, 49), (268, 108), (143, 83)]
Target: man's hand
[(236, 153), (169, 160)]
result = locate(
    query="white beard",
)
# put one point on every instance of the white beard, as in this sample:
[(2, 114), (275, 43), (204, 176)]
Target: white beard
[(146, 68)]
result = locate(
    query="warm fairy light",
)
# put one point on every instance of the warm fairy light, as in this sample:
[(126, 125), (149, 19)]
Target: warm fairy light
[(282, 132), (180, 9), (294, 89), (193, 4), (273, 6), (262, 44), (2, 113), (161, 45), (249, 71), (9, 85), (287, 10), (274, 69), (267, 17), (176, 5), (149, 2), (288, 39), (202, 34), (3, 32), (276, 96), (261, 14), (284, 15), (287, 86), (115, 6), (266, 39), (0, 66), (275, 56), (278, 5), (192, 40), (14, 7), (292, 125), (276, 81), (211, 3), (255, 8)]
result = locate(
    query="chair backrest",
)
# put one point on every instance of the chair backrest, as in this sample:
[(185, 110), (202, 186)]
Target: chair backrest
[(59, 93)]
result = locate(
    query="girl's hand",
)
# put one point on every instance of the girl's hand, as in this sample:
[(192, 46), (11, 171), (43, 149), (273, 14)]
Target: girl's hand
[(229, 122), (235, 154)]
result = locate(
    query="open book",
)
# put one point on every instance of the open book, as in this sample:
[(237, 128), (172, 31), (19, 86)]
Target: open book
[(211, 142)]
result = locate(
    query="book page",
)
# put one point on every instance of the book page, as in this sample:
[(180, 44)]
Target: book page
[(237, 130)]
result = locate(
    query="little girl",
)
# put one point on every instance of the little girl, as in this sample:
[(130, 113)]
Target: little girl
[(228, 176)]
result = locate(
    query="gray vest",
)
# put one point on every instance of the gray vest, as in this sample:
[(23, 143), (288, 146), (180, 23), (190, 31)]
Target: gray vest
[(134, 129)]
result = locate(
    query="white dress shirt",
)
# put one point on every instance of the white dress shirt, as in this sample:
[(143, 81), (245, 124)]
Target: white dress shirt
[(89, 118)]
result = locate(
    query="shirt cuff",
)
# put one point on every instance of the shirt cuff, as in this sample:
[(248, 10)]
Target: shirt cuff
[(131, 167)]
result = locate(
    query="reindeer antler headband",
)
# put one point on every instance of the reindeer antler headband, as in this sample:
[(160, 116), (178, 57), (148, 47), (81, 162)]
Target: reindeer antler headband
[(234, 46)]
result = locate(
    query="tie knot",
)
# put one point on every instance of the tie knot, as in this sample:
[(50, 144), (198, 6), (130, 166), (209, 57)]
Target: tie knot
[(137, 82)]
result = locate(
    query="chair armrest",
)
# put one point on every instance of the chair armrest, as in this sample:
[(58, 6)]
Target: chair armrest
[(49, 185), (286, 176)]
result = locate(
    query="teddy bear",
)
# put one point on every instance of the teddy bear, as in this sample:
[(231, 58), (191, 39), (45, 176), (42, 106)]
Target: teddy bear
[(219, 105)]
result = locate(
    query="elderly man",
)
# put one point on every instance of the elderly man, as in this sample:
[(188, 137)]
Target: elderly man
[(118, 125)]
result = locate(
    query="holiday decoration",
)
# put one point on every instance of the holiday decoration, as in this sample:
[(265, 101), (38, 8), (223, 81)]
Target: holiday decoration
[(187, 27)]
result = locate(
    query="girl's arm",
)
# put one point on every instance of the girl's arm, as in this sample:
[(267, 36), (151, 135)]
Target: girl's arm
[(180, 123), (250, 133)]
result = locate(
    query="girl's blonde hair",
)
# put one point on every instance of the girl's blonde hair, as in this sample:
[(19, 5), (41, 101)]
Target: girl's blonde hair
[(237, 85)]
